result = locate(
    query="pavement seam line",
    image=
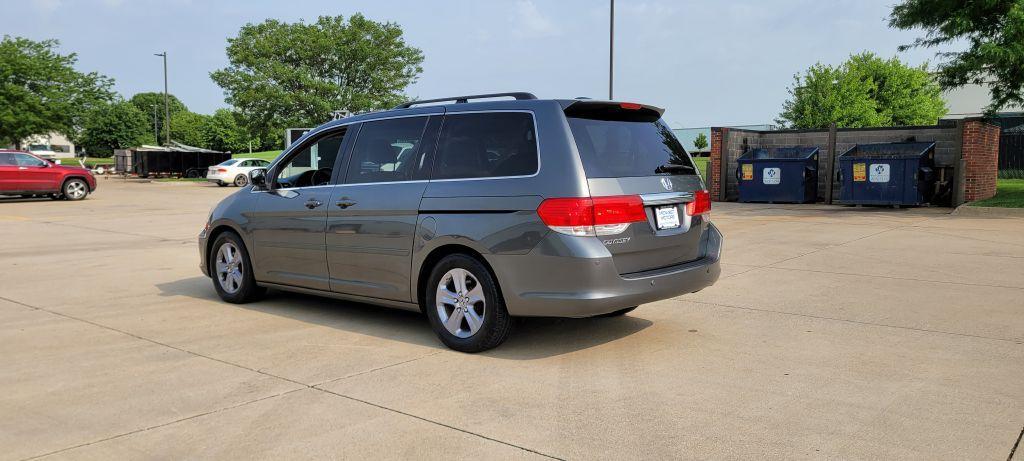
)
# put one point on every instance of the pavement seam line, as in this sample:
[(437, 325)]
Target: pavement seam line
[(158, 426), (427, 420), (1015, 445), (858, 322), (364, 372), (892, 277), (304, 385)]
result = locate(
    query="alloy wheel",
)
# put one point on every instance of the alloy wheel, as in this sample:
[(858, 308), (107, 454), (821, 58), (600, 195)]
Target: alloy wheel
[(75, 190), (461, 304), (229, 268)]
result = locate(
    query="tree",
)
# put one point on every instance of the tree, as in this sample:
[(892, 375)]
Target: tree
[(700, 142), (864, 91), (118, 125), (147, 101), (41, 92), (222, 132), (282, 74), (993, 31), (187, 128)]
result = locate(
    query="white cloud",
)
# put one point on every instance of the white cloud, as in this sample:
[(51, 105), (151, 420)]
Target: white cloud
[(530, 22)]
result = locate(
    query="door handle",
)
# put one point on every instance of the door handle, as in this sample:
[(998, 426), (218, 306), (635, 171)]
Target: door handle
[(313, 203), (345, 204)]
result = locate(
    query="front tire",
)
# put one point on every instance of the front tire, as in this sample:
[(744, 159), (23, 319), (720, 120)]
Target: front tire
[(75, 189), (231, 270), (464, 305)]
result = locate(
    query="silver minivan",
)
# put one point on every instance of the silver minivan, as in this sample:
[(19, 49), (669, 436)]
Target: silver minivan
[(474, 210)]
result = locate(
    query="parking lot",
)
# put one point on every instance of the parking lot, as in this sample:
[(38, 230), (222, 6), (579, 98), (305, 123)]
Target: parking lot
[(833, 333)]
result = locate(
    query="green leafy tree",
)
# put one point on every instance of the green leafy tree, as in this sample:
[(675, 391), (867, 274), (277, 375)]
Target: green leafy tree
[(119, 125), (865, 91), (147, 101), (40, 90), (222, 132), (295, 74), (188, 128), (993, 31), (700, 142)]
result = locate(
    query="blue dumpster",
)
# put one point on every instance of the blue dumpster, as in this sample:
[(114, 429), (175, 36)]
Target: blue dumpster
[(895, 174), (779, 174)]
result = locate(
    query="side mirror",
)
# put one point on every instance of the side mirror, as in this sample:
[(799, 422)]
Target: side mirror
[(258, 178)]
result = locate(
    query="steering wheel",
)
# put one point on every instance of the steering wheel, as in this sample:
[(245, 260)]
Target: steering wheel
[(320, 177)]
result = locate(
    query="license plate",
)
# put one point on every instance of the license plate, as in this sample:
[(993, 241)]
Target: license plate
[(667, 217)]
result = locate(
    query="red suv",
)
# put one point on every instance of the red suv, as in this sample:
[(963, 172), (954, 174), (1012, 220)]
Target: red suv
[(22, 173)]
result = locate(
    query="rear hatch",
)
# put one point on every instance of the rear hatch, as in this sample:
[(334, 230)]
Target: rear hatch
[(627, 150)]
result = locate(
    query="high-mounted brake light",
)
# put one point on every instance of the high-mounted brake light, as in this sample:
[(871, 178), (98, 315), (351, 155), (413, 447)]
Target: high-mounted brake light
[(701, 203), (586, 216), (631, 106)]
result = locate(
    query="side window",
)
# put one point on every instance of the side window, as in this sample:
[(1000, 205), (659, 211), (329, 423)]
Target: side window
[(7, 159), (28, 160), (247, 163), (262, 163), (486, 145), (312, 164), (387, 151)]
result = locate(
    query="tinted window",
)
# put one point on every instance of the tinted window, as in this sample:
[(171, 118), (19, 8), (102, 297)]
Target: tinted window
[(311, 165), (388, 150), (486, 145), (7, 158), (28, 160), (228, 162), (611, 147)]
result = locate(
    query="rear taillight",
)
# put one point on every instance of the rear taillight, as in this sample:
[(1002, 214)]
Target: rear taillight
[(585, 216), (222, 170), (701, 203)]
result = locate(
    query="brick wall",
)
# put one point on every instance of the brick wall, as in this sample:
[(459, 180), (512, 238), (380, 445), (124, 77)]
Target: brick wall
[(981, 158), (715, 166)]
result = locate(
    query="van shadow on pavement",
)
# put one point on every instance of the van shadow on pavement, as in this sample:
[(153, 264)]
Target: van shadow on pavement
[(531, 338)]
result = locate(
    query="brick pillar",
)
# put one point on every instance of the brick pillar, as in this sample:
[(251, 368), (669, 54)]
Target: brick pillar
[(715, 180), (981, 157)]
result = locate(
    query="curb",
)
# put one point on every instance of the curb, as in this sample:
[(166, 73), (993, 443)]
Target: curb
[(988, 212)]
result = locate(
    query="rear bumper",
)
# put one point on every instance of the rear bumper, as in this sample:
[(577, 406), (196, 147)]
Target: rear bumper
[(545, 284)]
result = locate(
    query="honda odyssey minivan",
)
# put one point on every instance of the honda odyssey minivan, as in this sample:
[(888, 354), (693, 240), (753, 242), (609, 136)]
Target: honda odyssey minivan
[(474, 210)]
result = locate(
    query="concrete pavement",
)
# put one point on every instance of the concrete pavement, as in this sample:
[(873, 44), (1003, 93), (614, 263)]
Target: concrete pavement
[(834, 333)]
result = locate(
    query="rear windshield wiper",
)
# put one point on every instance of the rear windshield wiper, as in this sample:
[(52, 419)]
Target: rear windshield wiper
[(673, 167)]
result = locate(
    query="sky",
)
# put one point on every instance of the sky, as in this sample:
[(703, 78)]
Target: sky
[(709, 63)]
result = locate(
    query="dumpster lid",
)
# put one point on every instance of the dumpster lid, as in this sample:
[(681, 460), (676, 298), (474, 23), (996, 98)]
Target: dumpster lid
[(890, 150), (780, 153)]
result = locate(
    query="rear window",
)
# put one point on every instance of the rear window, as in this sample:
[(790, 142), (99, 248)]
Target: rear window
[(486, 145), (228, 162), (621, 143)]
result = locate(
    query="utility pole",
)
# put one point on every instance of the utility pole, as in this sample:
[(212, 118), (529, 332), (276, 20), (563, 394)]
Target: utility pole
[(611, 50), (167, 106)]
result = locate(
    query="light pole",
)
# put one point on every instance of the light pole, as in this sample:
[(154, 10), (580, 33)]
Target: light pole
[(167, 107), (611, 49)]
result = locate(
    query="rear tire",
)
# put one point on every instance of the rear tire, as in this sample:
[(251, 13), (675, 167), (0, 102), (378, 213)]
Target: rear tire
[(231, 270), (75, 189), (222, 183), (471, 314), (241, 180), (618, 313)]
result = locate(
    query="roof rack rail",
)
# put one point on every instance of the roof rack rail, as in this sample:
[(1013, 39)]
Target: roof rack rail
[(464, 99)]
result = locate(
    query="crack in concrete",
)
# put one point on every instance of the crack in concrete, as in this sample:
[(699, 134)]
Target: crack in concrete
[(303, 387), (1015, 445)]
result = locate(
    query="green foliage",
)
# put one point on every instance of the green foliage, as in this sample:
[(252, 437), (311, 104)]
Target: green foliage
[(40, 90), (864, 91), (1009, 194), (118, 125), (189, 128), (700, 142), (222, 132), (145, 102), (993, 31), (295, 74)]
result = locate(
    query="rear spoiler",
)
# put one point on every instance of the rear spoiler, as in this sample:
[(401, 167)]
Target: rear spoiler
[(611, 110)]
